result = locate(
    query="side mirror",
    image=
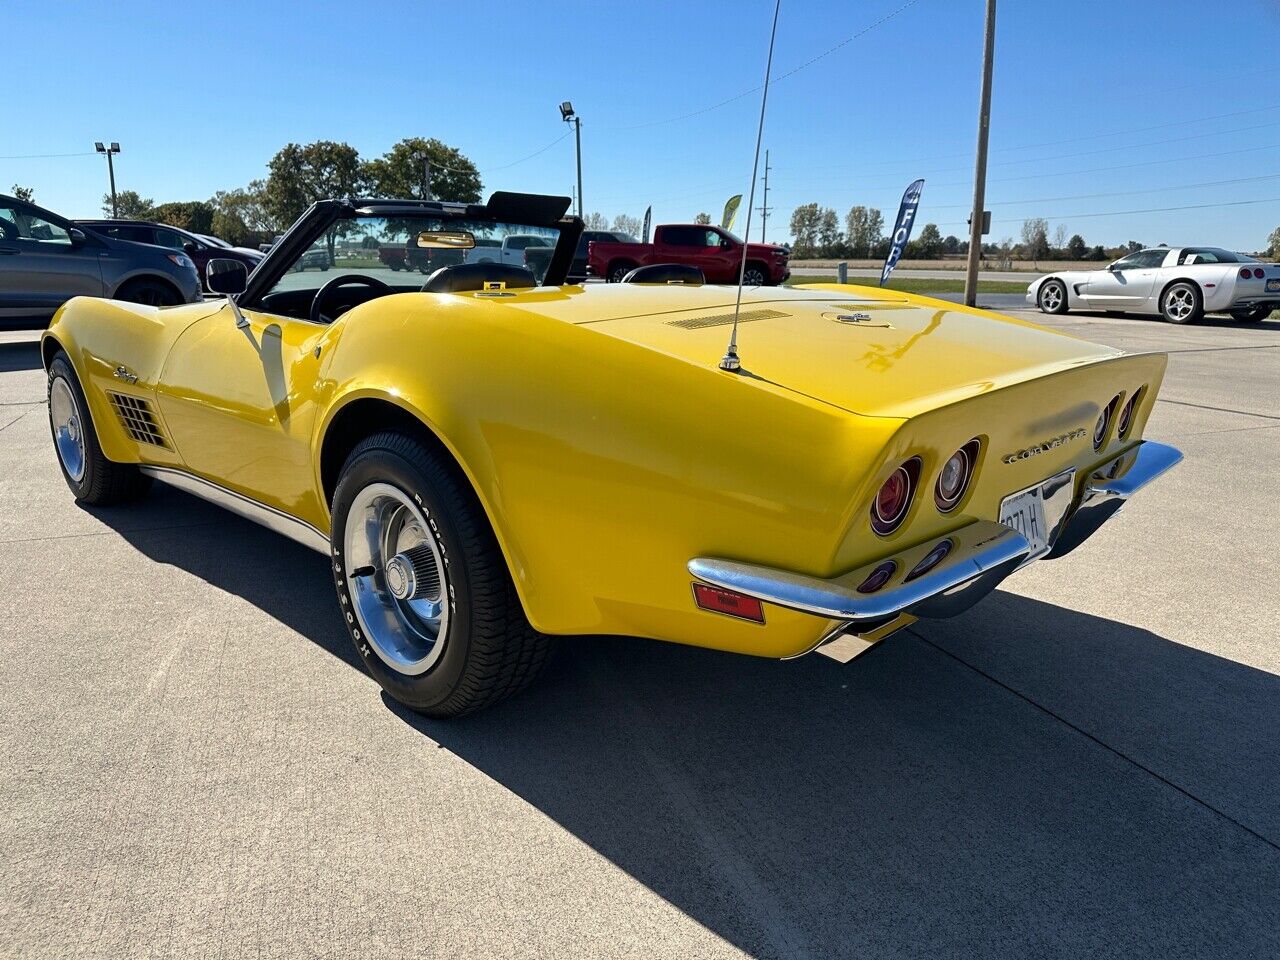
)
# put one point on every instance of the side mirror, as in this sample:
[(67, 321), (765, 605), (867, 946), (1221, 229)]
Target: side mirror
[(228, 277), (77, 235), (191, 246)]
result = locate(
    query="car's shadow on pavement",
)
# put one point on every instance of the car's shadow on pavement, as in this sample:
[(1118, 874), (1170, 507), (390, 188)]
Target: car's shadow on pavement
[(1026, 780), (20, 355)]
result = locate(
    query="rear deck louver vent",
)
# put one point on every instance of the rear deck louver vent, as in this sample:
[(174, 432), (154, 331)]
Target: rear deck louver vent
[(724, 319), (137, 419)]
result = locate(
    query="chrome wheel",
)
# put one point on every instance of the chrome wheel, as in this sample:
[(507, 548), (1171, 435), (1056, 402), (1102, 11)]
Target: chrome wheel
[(754, 277), (68, 427), (397, 578), (1051, 298), (1179, 304)]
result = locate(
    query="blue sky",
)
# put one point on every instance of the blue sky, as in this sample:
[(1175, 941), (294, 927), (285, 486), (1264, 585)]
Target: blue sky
[(1109, 108)]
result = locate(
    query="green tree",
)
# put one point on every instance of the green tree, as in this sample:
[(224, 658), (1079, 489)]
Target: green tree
[(864, 229), (1273, 242), (1076, 248), (804, 228), (245, 206), (929, 243), (596, 221), (703, 218), (23, 193), (301, 175), (397, 174), (828, 231), (129, 206), (1098, 253), (193, 215)]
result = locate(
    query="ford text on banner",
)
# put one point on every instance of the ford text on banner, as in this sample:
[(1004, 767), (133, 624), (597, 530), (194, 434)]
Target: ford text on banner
[(902, 228)]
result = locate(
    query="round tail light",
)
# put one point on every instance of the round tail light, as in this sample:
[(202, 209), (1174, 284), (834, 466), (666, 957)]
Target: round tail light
[(1245, 273), (930, 560), (953, 478), (1126, 414), (894, 498), (878, 577), (1104, 422), (1259, 272)]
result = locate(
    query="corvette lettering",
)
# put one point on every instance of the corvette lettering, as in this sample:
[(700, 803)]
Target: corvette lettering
[(1028, 452)]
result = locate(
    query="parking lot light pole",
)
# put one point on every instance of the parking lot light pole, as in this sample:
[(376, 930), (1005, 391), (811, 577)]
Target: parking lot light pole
[(568, 116), (111, 171), (980, 167)]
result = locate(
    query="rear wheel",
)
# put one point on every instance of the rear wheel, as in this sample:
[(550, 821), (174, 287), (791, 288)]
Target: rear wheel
[(1181, 303), (91, 476), (423, 585), (155, 293), (619, 270), (1052, 297), (1252, 314)]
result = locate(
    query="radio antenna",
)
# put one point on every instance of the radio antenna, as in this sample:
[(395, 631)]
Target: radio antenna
[(730, 359)]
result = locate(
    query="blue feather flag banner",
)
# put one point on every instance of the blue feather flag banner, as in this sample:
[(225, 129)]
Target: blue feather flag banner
[(902, 228)]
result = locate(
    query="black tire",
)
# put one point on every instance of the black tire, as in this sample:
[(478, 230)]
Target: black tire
[(395, 267), (755, 275), (1056, 300), (102, 482), (155, 293), (1253, 314), (1181, 302), (489, 650), (619, 269)]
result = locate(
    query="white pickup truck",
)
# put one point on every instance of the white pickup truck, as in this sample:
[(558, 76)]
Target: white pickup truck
[(511, 250)]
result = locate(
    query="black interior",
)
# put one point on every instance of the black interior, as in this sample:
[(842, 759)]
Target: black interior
[(463, 277), (297, 303)]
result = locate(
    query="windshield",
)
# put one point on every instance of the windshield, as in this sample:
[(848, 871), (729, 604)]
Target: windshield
[(386, 249)]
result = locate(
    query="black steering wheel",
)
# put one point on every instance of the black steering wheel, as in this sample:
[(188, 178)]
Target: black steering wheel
[(346, 280)]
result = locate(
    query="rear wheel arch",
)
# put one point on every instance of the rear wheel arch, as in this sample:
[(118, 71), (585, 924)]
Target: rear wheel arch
[(1165, 288), (366, 416)]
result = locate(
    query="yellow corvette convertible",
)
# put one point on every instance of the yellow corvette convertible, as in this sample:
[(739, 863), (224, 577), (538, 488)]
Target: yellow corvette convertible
[(491, 457)]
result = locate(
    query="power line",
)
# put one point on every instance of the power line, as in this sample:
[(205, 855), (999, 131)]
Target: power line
[(47, 156), (505, 166), (783, 76), (1119, 193), (1125, 213)]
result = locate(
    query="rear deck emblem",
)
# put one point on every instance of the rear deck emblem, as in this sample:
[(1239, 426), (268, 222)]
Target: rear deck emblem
[(1035, 450)]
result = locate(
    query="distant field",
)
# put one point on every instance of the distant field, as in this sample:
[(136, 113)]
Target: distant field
[(913, 285)]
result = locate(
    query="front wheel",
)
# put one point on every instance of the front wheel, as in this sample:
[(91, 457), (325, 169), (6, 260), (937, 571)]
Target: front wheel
[(754, 276), (1052, 297), (1252, 314), (1182, 303), (91, 476), (423, 585), (155, 293)]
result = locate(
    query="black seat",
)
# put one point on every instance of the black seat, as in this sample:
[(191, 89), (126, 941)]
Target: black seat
[(666, 273), (462, 277)]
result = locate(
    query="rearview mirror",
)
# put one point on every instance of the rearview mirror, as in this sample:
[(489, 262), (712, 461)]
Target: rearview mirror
[(446, 240), (226, 276)]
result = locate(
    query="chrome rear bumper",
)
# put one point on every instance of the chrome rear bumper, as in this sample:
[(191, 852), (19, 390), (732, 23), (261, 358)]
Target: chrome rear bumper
[(982, 554)]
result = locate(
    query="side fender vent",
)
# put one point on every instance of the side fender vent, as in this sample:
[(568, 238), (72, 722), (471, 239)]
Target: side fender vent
[(725, 319), (137, 419)]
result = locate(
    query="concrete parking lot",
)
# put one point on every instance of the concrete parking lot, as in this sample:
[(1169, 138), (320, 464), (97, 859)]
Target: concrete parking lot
[(194, 764)]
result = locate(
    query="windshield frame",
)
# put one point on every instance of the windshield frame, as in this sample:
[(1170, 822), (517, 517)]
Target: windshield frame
[(530, 209)]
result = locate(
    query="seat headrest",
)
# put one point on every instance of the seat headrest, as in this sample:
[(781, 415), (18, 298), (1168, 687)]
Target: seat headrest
[(666, 273), (463, 277)]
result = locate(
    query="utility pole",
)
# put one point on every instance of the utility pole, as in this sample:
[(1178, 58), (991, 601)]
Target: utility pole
[(568, 116), (111, 172), (764, 204), (980, 167)]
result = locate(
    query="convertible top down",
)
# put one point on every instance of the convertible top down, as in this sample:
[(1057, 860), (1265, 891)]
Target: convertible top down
[(494, 457)]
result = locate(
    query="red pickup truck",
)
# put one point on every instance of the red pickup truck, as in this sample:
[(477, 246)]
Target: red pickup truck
[(718, 253)]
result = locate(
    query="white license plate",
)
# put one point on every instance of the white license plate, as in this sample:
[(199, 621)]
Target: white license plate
[(1024, 512), (1273, 285)]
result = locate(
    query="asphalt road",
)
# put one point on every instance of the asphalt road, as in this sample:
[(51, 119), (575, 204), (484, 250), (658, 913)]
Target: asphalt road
[(193, 764)]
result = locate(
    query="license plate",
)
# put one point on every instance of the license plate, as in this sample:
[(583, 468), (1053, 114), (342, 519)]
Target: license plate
[(1024, 512), (1273, 286)]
